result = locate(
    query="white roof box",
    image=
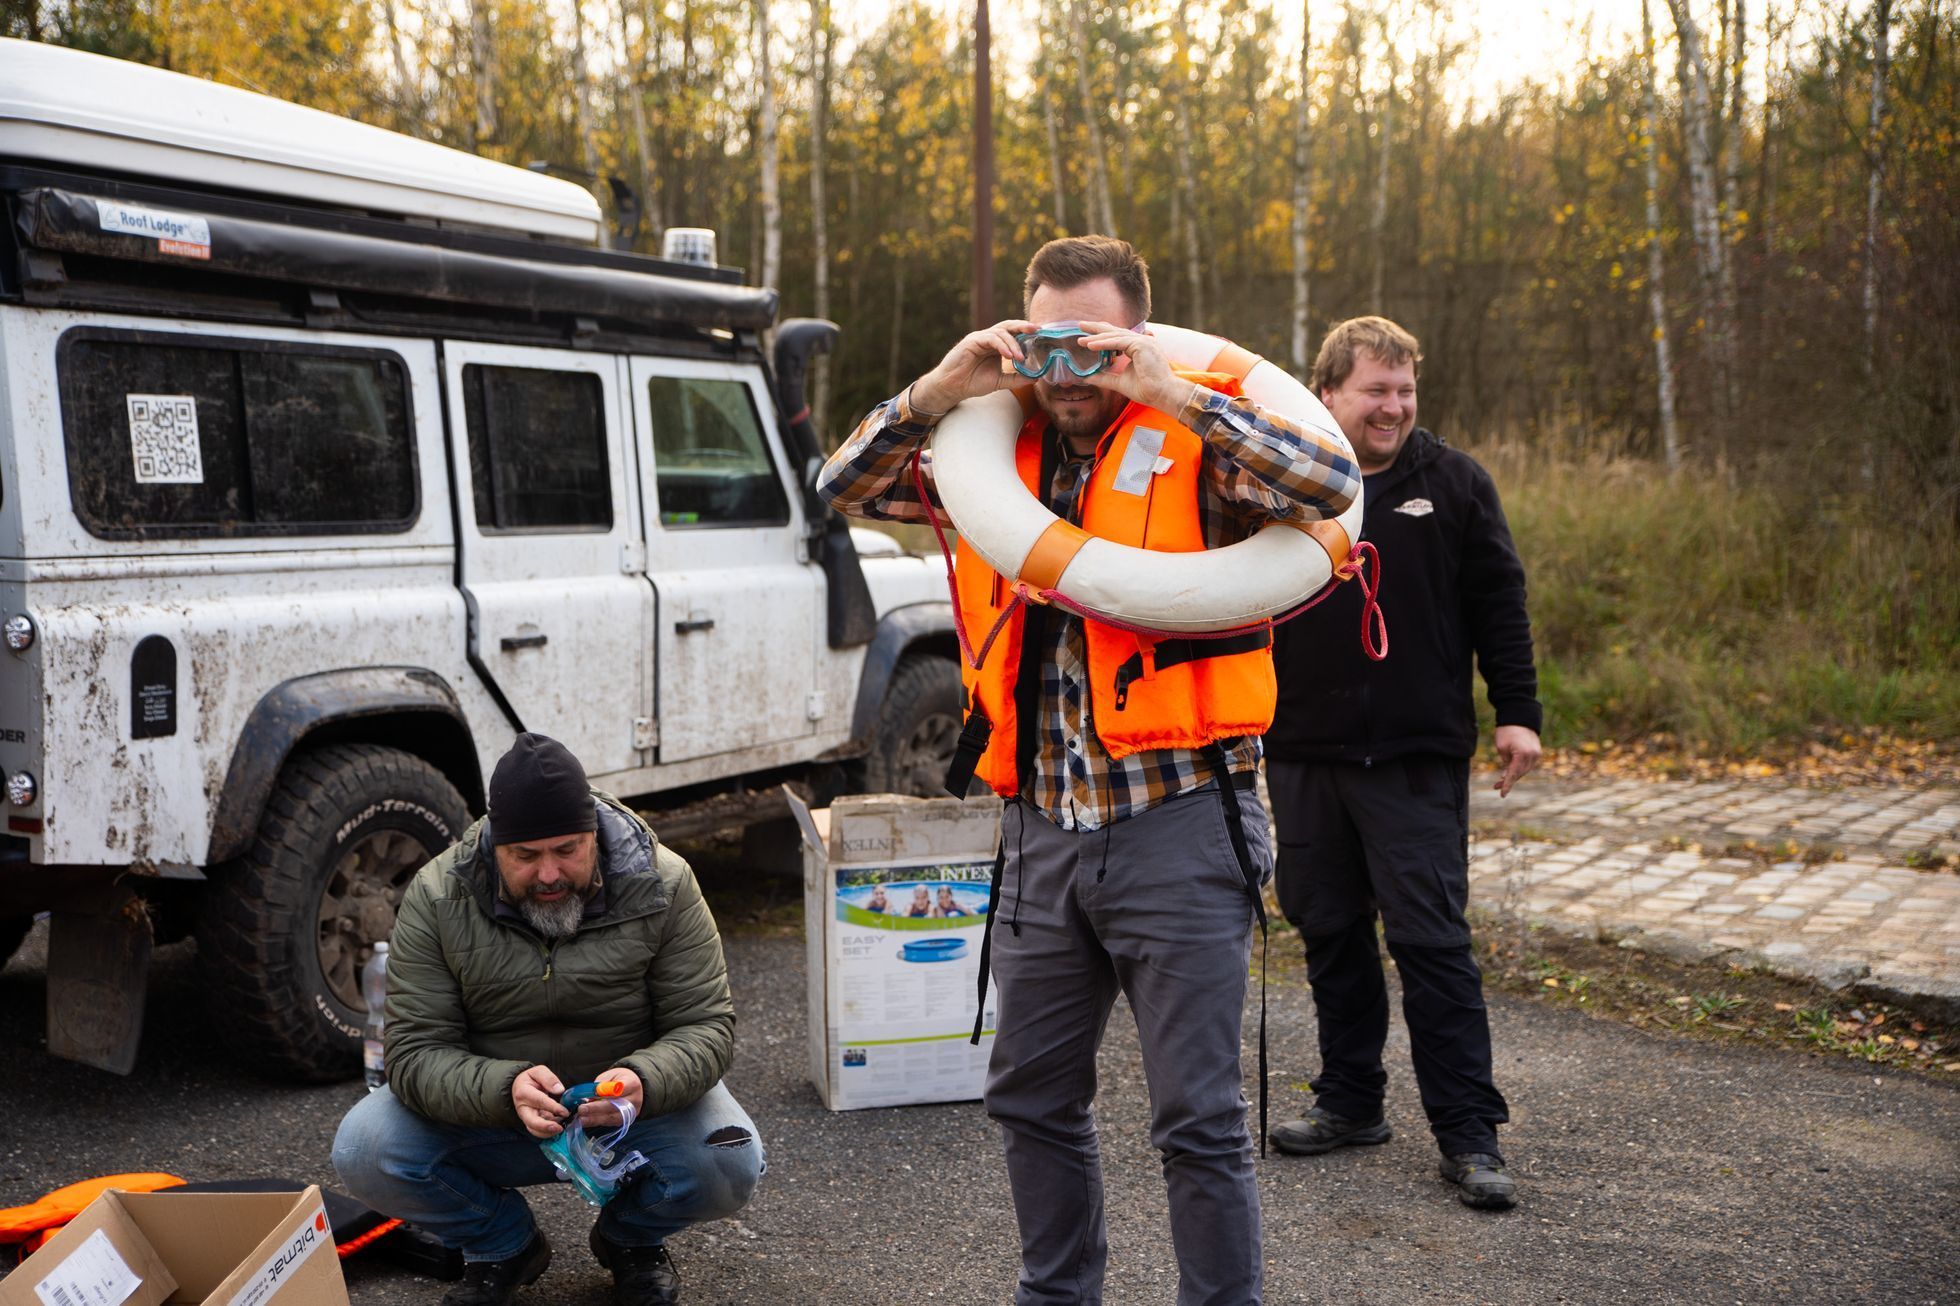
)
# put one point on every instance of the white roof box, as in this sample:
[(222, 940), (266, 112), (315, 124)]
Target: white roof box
[(83, 110)]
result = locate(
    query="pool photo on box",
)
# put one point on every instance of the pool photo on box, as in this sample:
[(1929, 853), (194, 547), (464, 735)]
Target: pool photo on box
[(933, 905)]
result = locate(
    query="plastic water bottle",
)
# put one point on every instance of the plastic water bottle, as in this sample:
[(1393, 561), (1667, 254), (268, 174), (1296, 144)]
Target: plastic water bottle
[(374, 987)]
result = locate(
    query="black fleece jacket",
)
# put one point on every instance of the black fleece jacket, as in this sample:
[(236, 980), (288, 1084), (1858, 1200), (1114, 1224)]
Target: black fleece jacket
[(1452, 586)]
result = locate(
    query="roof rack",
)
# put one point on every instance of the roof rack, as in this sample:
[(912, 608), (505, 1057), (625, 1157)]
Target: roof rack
[(84, 111)]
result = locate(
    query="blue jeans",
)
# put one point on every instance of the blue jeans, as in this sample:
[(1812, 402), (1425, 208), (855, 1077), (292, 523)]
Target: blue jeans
[(459, 1182)]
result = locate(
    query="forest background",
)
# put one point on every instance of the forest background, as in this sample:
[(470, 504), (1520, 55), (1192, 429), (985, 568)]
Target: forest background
[(1694, 297)]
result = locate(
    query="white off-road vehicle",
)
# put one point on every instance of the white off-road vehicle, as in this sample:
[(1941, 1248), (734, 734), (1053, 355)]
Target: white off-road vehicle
[(329, 460)]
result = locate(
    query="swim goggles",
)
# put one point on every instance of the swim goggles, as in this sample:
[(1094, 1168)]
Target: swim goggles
[(1056, 346), (593, 1165)]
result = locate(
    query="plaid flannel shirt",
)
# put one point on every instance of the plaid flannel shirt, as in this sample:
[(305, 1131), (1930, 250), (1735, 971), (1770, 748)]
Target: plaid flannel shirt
[(1257, 467)]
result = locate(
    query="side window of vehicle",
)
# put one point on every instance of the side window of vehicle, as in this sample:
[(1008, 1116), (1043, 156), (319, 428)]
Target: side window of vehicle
[(537, 449), (167, 437), (711, 461)]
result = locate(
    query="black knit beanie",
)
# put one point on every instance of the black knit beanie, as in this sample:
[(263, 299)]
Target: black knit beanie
[(538, 791)]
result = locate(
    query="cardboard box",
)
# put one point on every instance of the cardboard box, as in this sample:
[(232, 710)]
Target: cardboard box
[(894, 906), (214, 1249)]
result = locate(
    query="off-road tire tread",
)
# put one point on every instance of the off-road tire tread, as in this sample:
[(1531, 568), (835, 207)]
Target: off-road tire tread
[(915, 681), (250, 927)]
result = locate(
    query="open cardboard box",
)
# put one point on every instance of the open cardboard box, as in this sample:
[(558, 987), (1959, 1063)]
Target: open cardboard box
[(892, 995), (213, 1249)]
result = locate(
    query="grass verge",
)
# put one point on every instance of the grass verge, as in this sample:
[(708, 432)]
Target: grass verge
[(1731, 614), (1715, 1003)]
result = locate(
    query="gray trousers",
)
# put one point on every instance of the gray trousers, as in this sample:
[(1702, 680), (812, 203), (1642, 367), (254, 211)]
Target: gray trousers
[(1156, 906)]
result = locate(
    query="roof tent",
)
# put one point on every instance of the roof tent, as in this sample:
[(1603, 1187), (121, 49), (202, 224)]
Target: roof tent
[(85, 111)]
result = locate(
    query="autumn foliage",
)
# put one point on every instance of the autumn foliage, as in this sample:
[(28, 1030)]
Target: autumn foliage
[(1795, 577)]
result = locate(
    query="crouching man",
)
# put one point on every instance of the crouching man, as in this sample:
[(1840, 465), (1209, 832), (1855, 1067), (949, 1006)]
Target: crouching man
[(557, 942)]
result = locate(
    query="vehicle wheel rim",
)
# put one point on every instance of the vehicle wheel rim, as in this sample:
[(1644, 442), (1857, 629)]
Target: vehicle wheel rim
[(357, 906), (920, 767)]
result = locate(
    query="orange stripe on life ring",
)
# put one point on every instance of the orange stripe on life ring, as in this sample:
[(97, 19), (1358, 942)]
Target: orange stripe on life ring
[(1236, 361), (1052, 553), (1331, 536)]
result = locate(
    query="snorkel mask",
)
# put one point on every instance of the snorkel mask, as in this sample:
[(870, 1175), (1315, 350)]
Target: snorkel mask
[(1057, 346), (590, 1164)]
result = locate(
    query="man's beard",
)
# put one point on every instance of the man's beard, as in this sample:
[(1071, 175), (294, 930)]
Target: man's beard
[(1071, 423), (558, 919), (554, 920)]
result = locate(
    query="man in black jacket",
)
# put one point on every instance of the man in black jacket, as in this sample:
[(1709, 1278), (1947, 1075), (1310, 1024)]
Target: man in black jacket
[(1369, 768)]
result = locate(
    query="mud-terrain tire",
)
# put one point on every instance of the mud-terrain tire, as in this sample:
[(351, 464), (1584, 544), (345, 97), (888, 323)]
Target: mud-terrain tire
[(287, 927), (917, 731)]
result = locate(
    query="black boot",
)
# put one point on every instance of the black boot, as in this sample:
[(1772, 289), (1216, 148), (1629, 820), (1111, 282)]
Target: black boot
[(642, 1276), (495, 1283), (1481, 1180), (1323, 1131)]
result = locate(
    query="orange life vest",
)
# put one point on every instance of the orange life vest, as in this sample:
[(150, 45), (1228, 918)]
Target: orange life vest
[(1144, 693)]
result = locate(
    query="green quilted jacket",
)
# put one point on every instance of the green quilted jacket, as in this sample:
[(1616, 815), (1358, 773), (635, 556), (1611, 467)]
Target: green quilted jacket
[(475, 995)]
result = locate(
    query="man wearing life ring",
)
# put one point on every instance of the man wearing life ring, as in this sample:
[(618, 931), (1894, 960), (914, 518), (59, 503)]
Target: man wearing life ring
[(1368, 764), (1133, 838)]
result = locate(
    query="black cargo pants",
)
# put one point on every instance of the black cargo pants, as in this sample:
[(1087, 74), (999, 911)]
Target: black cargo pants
[(1391, 839)]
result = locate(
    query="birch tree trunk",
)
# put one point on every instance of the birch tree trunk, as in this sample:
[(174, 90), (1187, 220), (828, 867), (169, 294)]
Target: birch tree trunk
[(1711, 252), (1054, 154), (1732, 136), (484, 69), (636, 104), (1187, 187), (1302, 193), (1875, 176), (1378, 220), (772, 200), (898, 325), (582, 109), (820, 47), (1656, 270), (407, 101), (1102, 213)]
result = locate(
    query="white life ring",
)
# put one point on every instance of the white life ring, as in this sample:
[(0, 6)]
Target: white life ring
[(1276, 570)]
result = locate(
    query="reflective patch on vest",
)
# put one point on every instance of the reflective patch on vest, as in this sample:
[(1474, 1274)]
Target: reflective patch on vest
[(1139, 462), (1417, 508)]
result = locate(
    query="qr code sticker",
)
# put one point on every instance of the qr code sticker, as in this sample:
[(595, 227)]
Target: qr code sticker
[(163, 440)]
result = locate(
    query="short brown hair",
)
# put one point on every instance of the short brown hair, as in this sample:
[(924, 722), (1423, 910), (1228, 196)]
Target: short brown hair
[(1077, 260), (1371, 335)]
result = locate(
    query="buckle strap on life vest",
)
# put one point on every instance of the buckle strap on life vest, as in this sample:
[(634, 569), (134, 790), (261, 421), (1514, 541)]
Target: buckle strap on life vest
[(987, 940), (1176, 652), (975, 735), (1214, 755)]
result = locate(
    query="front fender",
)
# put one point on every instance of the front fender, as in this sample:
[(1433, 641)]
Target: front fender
[(305, 706), (899, 631)]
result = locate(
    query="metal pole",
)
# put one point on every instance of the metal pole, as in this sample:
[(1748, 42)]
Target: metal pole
[(983, 170)]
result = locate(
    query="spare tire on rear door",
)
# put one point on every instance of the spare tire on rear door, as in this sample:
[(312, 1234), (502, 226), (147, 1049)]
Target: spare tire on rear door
[(286, 928)]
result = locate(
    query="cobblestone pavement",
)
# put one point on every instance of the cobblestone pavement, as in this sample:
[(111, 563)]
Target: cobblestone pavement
[(1669, 861)]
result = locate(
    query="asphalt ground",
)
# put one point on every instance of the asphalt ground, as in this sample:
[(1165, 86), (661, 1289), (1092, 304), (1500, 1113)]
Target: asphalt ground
[(1653, 1169)]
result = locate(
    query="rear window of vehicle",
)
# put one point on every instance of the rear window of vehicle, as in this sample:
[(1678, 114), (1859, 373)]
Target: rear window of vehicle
[(537, 449), (169, 435)]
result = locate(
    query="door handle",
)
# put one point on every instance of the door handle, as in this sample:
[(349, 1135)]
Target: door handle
[(698, 623), (513, 642)]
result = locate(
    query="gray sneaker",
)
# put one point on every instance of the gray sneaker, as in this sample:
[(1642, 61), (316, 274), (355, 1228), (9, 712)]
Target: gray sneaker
[(1323, 1131), (1480, 1180)]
